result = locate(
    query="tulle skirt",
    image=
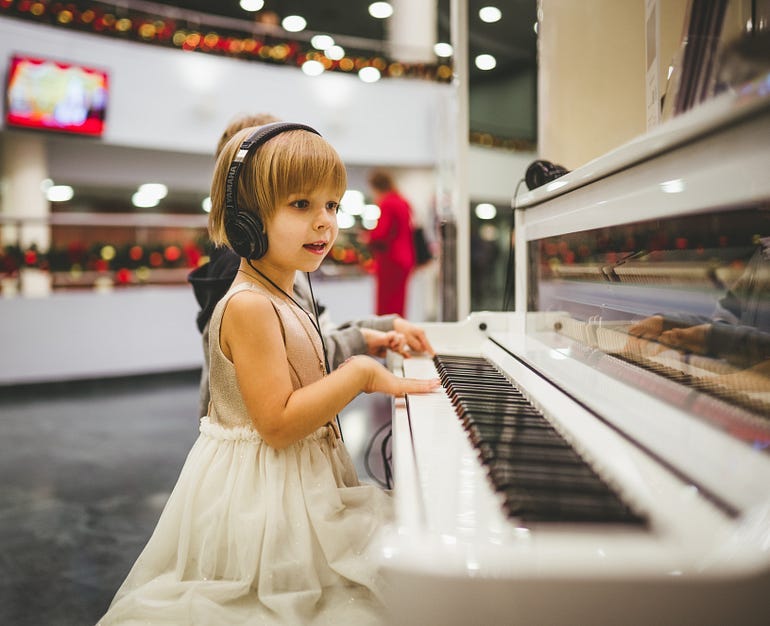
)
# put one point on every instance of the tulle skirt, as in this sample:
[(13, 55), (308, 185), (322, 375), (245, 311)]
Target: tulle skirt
[(254, 535)]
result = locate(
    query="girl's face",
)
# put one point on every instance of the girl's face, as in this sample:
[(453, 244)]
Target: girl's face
[(302, 230)]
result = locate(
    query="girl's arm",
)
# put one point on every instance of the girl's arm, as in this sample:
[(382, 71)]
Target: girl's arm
[(251, 338)]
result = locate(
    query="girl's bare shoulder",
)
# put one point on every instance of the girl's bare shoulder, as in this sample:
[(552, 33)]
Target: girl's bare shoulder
[(249, 301)]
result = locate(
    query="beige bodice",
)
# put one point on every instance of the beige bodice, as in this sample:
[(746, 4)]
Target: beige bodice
[(304, 353)]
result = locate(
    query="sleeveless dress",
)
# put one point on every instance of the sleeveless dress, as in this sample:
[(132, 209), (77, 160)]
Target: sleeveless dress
[(254, 535)]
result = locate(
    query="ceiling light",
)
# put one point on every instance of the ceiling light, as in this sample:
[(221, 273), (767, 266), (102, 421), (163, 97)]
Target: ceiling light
[(157, 190), (352, 202), (206, 204), (252, 5), (313, 68), (369, 74), (485, 211), (485, 62), (380, 10), (345, 220), (371, 212), (294, 23), (144, 201), (322, 42), (490, 14), (335, 53), (59, 193), (488, 232), (443, 49)]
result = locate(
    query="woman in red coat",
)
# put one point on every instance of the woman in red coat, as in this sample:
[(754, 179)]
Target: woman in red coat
[(392, 245)]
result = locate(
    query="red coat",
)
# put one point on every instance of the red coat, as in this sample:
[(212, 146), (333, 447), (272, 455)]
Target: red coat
[(392, 246)]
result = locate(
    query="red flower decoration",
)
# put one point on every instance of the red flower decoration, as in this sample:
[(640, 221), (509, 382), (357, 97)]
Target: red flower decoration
[(123, 276), (172, 253)]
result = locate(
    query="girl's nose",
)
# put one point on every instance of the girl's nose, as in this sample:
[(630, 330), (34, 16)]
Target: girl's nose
[(325, 220)]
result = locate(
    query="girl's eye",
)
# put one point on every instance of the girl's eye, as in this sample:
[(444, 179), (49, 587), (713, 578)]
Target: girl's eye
[(301, 204), (333, 206)]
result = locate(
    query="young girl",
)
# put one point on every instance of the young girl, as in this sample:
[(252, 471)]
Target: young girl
[(268, 523)]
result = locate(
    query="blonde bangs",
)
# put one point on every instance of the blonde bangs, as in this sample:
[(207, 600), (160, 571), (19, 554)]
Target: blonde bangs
[(299, 162)]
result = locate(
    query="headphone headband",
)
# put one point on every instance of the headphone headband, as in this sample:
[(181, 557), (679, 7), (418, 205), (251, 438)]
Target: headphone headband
[(244, 229)]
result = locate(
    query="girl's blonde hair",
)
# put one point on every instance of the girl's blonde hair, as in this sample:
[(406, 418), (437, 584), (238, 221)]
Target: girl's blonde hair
[(295, 161)]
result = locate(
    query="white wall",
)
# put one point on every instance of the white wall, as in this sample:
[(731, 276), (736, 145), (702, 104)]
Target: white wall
[(591, 78), (81, 335), (70, 336)]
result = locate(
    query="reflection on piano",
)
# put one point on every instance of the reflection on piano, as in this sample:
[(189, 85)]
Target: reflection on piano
[(572, 470)]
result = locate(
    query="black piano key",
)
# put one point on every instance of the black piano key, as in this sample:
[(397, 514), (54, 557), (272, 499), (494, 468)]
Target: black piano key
[(573, 507), (498, 411), (484, 389), (510, 434), (507, 475), (486, 426), (490, 403), (528, 452), (503, 418)]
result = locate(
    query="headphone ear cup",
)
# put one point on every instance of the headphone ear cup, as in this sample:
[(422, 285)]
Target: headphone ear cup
[(245, 231), (246, 235), (541, 172)]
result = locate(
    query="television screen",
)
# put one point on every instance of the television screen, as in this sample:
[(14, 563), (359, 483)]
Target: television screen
[(47, 94)]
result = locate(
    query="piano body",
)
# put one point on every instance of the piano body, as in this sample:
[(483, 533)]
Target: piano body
[(673, 439)]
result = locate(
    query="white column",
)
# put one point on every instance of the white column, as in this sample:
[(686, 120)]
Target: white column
[(23, 167), (411, 30), (591, 78), (460, 195)]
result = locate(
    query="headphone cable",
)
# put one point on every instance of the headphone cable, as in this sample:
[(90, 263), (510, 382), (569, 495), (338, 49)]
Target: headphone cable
[(323, 343)]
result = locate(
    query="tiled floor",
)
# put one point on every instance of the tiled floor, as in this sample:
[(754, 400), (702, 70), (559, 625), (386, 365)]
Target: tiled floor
[(86, 469)]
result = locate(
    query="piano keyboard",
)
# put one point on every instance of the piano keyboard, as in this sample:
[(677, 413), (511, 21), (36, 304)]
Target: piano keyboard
[(540, 477)]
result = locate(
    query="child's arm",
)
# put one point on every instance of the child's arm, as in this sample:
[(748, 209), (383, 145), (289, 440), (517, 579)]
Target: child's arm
[(251, 338)]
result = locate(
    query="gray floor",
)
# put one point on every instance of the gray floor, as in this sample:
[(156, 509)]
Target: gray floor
[(86, 469)]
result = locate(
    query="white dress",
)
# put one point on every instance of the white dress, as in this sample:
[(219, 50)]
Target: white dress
[(255, 535)]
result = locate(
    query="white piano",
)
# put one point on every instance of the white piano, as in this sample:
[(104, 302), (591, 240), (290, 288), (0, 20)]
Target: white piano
[(678, 434)]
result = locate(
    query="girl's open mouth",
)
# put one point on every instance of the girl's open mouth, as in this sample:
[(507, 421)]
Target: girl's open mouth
[(316, 248)]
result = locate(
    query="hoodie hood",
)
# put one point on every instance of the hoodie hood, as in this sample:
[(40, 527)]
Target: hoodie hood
[(211, 281)]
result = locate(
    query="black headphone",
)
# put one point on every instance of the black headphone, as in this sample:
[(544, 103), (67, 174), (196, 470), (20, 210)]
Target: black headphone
[(244, 229), (541, 172)]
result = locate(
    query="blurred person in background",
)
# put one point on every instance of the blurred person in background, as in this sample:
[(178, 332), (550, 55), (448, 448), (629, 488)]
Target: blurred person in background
[(391, 243)]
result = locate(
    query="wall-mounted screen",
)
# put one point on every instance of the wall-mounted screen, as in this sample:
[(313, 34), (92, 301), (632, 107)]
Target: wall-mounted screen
[(57, 96)]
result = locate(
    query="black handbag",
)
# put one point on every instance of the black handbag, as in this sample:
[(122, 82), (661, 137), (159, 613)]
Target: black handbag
[(422, 250)]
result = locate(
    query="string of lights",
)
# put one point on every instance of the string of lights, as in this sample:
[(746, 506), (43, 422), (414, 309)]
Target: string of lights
[(200, 33)]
